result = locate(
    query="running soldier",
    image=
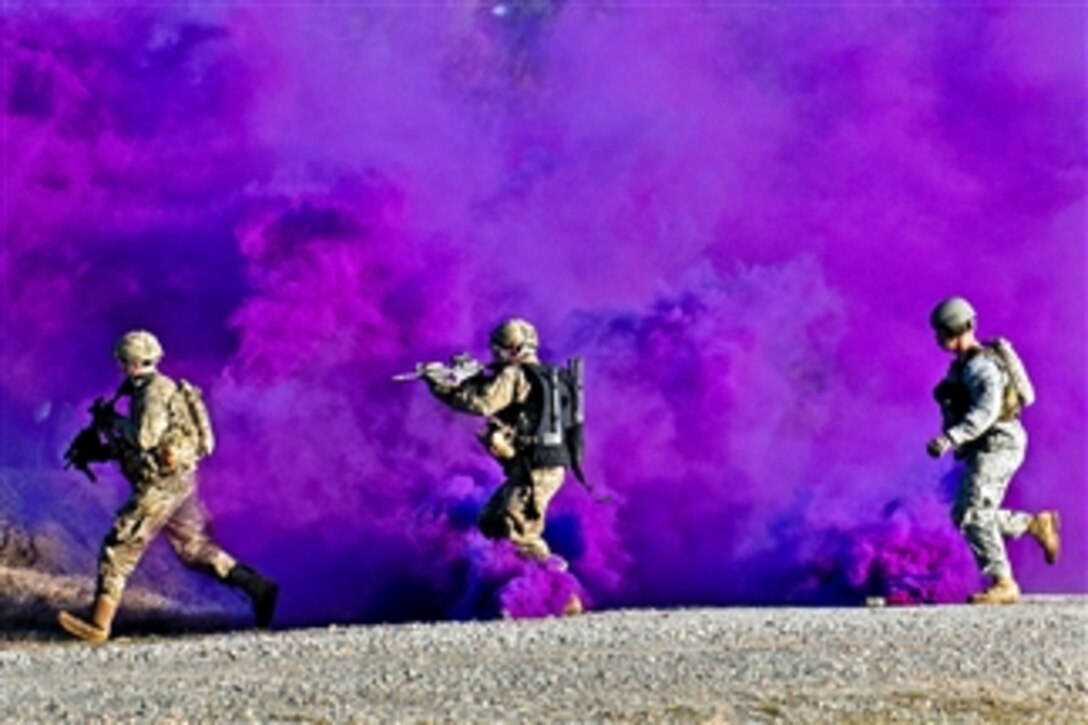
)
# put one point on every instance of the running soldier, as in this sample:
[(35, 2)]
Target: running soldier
[(981, 398), (158, 445), (533, 430)]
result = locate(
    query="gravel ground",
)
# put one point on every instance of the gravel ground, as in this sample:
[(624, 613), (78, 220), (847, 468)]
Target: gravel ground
[(1026, 663)]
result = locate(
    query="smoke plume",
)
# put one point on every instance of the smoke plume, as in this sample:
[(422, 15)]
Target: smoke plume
[(738, 215)]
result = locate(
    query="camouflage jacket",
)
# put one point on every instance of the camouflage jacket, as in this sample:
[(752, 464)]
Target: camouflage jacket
[(505, 400), (978, 414), (489, 396), (158, 437)]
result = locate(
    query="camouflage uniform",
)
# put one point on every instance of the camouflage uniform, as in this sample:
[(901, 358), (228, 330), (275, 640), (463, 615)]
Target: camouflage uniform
[(158, 444), (518, 509), (993, 448), (158, 457)]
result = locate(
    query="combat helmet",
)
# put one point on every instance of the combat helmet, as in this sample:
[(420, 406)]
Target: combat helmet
[(953, 316), (515, 339), (138, 346)]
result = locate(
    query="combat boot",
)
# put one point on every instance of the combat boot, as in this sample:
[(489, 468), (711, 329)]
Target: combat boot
[(97, 630), (262, 592), (1004, 590), (1045, 528)]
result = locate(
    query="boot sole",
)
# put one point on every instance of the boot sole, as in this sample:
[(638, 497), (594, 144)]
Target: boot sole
[(79, 629), (994, 601)]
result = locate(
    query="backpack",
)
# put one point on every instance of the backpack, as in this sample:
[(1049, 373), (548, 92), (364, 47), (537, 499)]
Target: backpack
[(558, 431), (199, 424), (1019, 392)]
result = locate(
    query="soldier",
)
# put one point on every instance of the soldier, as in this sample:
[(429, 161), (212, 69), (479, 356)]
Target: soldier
[(519, 395), (157, 445), (981, 398)]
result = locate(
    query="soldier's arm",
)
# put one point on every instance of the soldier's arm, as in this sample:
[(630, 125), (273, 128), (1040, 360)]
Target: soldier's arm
[(986, 383), (484, 396)]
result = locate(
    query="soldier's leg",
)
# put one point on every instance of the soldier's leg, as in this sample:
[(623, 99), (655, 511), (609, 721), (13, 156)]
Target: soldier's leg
[(133, 531), (517, 510), (136, 525), (494, 522), (96, 629), (985, 485), (1044, 527), (1001, 466), (1013, 524), (187, 532), (532, 511)]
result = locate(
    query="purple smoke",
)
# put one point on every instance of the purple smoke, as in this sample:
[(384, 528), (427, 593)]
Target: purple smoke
[(739, 216)]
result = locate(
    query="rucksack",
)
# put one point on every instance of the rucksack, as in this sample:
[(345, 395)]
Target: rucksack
[(1019, 392), (559, 430), (192, 400)]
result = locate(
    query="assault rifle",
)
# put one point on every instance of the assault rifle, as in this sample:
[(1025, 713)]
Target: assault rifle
[(461, 368), (94, 443)]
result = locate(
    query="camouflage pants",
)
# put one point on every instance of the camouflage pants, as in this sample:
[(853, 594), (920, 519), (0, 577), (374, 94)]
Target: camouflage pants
[(977, 510), (168, 504), (517, 510)]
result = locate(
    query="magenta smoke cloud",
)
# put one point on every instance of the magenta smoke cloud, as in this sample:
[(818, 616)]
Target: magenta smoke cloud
[(739, 216)]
